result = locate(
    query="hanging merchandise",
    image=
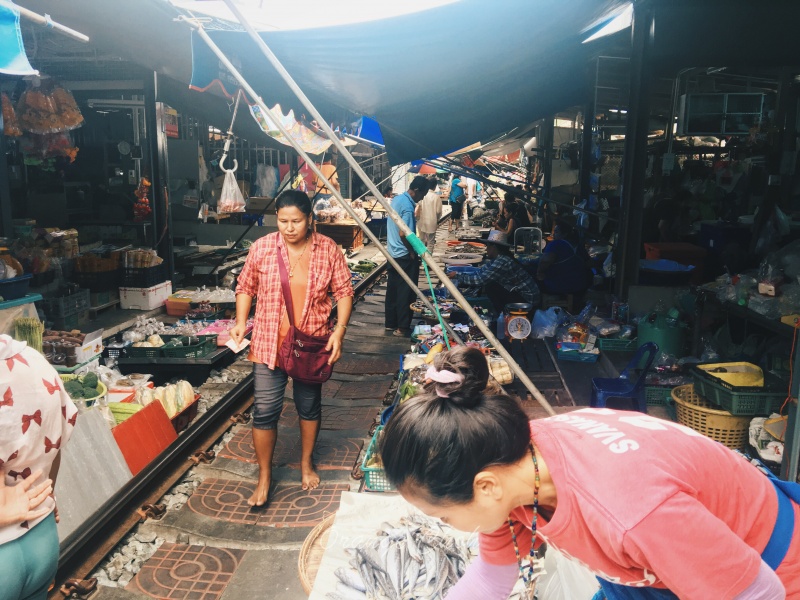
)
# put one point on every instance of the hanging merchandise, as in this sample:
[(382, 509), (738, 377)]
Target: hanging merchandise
[(141, 208), (47, 108), (231, 199), (37, 148), (68, 112), (10, 122)]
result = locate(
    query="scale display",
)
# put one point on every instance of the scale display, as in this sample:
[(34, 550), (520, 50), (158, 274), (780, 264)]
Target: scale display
[(519, 328)]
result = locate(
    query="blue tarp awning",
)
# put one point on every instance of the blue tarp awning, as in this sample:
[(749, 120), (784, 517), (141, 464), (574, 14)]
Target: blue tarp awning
[(442, 78), (13, 60)]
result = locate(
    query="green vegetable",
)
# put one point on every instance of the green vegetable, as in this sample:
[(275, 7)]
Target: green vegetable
[(90, 392), (90, 380), (74, 388)]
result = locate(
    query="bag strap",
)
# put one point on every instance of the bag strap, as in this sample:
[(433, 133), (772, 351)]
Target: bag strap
[(287, 291)]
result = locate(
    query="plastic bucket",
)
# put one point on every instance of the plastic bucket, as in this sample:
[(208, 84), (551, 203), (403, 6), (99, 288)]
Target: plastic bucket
[(670, 339)]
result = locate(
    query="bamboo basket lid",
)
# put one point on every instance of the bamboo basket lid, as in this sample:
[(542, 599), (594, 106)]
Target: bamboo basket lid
[(312, 551)]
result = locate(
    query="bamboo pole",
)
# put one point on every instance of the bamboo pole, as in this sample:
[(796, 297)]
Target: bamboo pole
[(45, 21)]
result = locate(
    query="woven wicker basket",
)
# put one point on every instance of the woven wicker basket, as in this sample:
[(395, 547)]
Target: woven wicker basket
[(696, 412), (312, 551)]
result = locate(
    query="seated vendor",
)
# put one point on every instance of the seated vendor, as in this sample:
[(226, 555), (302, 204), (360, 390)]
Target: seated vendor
[(563, 267), (504, 280)]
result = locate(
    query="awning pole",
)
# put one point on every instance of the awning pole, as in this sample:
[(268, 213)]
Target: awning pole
[(312, 165), (45, 21), (426, 256)]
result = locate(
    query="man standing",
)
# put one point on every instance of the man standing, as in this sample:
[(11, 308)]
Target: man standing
[(399, 296)]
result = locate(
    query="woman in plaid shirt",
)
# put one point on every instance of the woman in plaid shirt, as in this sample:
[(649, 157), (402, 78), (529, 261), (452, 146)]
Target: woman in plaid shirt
[(317, 272)]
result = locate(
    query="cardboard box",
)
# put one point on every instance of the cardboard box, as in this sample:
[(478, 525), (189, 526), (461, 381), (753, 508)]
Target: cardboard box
[(92, 346)]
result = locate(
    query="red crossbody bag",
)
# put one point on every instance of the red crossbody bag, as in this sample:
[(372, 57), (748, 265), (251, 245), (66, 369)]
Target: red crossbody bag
[(302, 357)]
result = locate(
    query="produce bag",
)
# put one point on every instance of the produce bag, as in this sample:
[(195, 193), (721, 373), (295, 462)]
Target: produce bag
[(545, 322), (231, 199)]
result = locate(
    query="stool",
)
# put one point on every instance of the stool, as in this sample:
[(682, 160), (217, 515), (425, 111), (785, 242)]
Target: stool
[(623, 387)]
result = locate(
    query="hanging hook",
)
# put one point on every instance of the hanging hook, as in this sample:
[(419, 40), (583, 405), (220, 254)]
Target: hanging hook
[(230, 135)]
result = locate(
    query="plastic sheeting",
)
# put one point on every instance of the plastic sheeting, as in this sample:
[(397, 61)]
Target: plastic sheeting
[(443, 78)]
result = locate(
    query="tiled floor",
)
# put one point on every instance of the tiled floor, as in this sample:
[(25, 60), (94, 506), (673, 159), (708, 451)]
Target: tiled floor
[(291, 506), (180, 572), (334, 453), (337, 417)]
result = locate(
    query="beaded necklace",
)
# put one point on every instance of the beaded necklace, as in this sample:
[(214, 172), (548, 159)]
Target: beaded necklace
[(527, 576)]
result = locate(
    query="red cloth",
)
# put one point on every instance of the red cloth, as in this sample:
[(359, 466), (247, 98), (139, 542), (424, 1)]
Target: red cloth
[(328, 272), (647, 502)]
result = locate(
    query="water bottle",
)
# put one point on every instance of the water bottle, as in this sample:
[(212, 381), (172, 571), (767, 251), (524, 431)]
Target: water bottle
[(501, 326)]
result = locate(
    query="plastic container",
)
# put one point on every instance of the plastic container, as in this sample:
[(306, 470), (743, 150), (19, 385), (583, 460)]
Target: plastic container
[(697, 413), (574, 356), (657, 395), (144, 298), (685, 254), (664, 272), (617, 345), (740, 400), (64, 306), (146, 277), (670, 340), (205, 344), (735, 373), (17, 287), (375, 477)]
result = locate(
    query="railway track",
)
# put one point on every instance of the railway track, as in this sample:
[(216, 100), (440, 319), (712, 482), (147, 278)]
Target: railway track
[(139, 500)]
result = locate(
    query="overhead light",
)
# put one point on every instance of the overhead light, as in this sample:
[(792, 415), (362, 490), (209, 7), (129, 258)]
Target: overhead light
[(111, 103)]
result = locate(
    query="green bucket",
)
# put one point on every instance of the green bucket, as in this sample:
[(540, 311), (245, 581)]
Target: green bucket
[(671, 339)]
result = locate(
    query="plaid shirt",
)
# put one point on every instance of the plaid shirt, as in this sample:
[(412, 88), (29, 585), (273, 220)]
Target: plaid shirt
[(507, 272), (327, 272)]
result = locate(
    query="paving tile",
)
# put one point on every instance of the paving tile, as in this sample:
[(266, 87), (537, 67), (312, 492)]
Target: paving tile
[(331, 453), (268, 574), (181, 572), (240, 447), (334, 454), (375, 388), (290, 506), (358, 364), (335, 417)]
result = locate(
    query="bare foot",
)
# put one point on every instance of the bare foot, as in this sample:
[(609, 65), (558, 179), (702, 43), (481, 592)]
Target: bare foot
[(309, 479), (260, 495)]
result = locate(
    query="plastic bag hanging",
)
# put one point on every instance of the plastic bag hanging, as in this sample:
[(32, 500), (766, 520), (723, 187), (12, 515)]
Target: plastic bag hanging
[(231, 199)]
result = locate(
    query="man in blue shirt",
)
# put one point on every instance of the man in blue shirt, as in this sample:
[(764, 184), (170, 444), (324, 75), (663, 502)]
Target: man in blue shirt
[(399, 296)]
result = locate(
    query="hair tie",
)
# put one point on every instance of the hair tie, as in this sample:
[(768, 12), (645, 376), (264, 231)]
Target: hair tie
[(443, 376)]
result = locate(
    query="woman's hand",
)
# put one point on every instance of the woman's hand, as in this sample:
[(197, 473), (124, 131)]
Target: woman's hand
[(335, 345), (238, 332), (22, 501)]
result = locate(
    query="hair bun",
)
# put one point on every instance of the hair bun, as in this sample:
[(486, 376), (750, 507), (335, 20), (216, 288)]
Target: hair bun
[(463, 396)]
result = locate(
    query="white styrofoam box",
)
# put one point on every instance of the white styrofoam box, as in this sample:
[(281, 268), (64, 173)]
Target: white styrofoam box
[(145, 298)]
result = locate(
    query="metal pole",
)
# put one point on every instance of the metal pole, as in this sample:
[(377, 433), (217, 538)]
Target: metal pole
[(426, 256), (310, 162), (634, 161), (45, 21)]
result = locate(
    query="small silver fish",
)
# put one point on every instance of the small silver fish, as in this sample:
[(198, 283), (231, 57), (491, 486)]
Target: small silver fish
[(348, 593), (351, 579)]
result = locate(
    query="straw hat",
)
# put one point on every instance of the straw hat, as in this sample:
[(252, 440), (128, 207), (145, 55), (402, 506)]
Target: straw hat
[(498, 238)]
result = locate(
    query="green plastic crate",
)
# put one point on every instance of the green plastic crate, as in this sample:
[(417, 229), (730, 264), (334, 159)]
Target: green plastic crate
[(657, 395), (741, 400), (375, 477), (617, 345), (206, 345)]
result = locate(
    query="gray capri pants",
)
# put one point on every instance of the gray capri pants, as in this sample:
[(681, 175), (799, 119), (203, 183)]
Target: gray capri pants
[(269, 388)]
